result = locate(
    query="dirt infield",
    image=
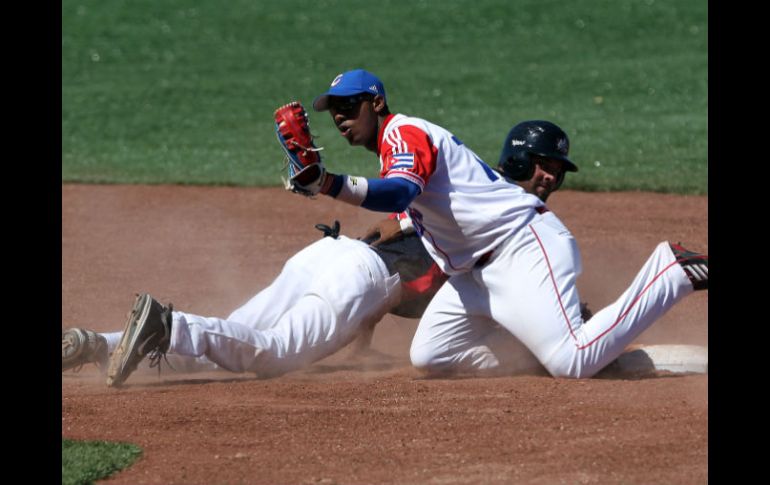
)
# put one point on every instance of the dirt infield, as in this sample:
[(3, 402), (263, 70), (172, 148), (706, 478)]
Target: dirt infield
[(377, 421)]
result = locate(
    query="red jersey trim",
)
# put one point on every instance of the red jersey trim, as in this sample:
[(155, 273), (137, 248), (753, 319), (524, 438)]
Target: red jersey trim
[(382, 131), (408, 151), (412, 177)]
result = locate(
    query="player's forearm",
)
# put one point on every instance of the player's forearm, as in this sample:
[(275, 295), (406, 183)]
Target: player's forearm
[(394, 227), (382, 195)]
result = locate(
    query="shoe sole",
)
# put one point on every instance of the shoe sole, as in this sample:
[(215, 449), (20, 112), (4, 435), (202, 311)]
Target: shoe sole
[(76, 339), (121, 362)]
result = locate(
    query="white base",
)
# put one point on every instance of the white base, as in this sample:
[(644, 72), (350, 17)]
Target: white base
[(670, 358)]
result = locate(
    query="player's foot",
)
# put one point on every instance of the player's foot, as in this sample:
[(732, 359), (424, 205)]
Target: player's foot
[(696, 266), (147, 332), (80, 346)]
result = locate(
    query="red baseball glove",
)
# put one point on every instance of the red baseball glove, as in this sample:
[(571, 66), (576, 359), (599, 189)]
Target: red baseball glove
[(305, 169)]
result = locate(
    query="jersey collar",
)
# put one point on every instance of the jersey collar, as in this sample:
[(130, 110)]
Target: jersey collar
[(382, 130)]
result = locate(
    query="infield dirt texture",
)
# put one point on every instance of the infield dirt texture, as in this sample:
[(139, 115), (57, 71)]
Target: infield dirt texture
[(207, 250)]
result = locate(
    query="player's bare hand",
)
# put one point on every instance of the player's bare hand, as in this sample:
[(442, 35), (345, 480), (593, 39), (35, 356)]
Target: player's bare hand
[(383, 231)]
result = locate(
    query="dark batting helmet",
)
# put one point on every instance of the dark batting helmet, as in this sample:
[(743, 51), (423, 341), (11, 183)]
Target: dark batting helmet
[(535, 137)]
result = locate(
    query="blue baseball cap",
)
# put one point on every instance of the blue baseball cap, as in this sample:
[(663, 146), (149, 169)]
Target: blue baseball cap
[(350, 83)]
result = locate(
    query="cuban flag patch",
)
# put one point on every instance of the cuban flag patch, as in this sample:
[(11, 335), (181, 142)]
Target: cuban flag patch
[(402, 161)]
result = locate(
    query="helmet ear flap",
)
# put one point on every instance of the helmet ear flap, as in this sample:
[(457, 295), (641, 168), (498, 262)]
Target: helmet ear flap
[(518, 166)]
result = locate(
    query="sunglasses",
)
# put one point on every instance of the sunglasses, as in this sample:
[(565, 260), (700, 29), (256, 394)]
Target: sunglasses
[(347, 104)]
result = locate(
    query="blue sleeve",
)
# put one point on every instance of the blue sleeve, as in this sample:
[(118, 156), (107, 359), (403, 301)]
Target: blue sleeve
[(390, 195)]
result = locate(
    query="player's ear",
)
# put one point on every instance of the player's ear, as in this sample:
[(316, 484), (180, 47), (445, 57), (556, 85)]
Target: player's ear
[(379, 105)]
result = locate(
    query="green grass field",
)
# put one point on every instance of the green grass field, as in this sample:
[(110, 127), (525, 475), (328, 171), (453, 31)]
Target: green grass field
[(83, 462), (182, 91)]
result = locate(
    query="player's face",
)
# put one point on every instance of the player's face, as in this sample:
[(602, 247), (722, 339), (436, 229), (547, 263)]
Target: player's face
[(356, 118), (546, 179)]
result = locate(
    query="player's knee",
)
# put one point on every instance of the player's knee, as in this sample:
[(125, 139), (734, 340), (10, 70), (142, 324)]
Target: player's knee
[(424, 358), (420, 357)]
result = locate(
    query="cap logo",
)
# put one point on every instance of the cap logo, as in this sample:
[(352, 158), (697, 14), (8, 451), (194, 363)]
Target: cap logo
[(562, 145), (373, 87), (337, 80), (515, 143)]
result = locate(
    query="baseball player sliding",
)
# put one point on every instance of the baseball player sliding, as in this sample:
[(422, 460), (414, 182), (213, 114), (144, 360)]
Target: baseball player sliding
[(325, 296)]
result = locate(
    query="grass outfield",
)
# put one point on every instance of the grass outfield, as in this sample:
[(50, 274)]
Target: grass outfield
[(83, 462), (182, 91)]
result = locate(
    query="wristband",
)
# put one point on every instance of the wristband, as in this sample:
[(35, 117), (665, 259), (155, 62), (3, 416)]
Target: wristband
[(354, 190), (406, 225)]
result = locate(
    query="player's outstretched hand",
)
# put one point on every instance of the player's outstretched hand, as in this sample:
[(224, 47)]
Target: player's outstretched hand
[(383, 231)]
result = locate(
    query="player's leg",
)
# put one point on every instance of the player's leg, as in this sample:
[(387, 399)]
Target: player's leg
[(263, 310), (542, 309), (351, 290), (531, 282), (81, 346), (658, 286), (457, 336), (349, 286), (449, 337)]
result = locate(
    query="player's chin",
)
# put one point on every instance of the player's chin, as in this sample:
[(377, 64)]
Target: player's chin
[(354, 140), (543, 193)]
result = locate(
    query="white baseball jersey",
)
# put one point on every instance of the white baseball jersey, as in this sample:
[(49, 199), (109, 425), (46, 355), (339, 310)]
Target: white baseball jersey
[(465, 209)]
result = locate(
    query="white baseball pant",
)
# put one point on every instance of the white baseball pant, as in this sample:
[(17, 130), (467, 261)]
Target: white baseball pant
[(324, 294), (528, 287)]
